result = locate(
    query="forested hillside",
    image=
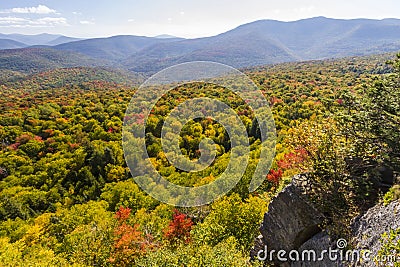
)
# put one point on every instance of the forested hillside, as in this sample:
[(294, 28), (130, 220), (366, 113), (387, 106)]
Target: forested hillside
[(67, 196), (33, 60)]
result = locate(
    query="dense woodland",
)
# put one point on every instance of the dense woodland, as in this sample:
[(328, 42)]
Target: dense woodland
[(67, 197)]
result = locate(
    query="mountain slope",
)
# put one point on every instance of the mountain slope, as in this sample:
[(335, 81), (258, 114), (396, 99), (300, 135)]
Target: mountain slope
[(268, 41), (62, 40), (38, 39), (258, 43), (239, 51), (112, 48), (10, 44), (78, 76), (29, 60)]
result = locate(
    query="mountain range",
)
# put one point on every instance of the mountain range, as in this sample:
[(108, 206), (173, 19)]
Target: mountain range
[(37, 39), (257, 43)]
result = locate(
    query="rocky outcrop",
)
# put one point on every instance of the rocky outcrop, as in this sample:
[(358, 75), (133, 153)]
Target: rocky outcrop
[(291, 220), (292, 223), (317, 243), (368, 228)]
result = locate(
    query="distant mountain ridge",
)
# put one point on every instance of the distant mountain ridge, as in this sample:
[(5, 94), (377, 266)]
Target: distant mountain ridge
[(10, 44), (257, 43), (112, 48), (23, 41), (268, 41)]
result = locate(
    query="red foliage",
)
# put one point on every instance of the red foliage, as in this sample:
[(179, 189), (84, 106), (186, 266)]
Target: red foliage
[(127, 236), (274, 176), (274, 100), (244, 112), (292, 159), (73, 145), (179, 228), (289, 161), (129, 242), (138, 118), (283, 164), (23, 139), (38, 138), (14, 146), (123, 214)]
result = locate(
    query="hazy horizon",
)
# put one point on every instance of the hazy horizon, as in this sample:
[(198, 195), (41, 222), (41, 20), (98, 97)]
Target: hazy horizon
[(166, 35), (84, 19)]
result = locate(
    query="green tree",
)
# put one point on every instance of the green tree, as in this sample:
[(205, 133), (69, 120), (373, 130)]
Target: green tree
[(231, 217), (372, 119)]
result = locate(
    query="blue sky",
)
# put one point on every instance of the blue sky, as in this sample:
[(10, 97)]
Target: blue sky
[(185, 18)]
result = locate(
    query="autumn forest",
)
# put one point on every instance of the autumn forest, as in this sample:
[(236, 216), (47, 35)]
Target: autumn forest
[(68, 198)]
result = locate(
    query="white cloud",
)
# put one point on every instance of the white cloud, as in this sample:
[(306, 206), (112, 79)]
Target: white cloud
[(50, 21), (26, 22), (40, 9), (86, 22), (131, 20), (76, 13), (12, 20)]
